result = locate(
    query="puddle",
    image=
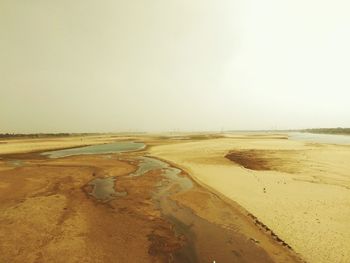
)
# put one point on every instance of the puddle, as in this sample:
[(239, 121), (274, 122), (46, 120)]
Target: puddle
[(118, 147), (103, 189)]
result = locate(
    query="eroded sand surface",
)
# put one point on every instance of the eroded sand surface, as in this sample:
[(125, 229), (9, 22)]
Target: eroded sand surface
[(48, 212), (299, 190)]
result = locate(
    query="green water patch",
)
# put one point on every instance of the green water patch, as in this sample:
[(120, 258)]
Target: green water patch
[(117, 147)]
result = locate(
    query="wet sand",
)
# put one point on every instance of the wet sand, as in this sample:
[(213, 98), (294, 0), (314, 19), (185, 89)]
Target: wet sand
[(49, 214), (298, 190)]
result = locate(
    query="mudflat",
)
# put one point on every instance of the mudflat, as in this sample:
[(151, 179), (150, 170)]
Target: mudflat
[(50, 212)]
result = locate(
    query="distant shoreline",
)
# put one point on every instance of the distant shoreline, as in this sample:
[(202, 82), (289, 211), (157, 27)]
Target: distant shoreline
[(334, 131)]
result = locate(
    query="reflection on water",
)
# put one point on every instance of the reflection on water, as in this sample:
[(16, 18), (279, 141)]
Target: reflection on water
[(171, 174), (320, 138), (117, 147), (103, 188), (147, 164)]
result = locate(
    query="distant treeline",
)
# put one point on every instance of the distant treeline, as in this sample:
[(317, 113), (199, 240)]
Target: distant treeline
[(329, 130), (38, 135)]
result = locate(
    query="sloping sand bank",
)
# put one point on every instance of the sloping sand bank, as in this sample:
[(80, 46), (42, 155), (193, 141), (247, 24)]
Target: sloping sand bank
[(299, 190)]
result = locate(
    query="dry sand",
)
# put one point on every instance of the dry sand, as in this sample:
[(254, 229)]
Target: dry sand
[(299, 190)]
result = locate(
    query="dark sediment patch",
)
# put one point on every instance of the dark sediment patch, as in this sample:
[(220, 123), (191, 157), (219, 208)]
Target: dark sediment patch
[(267, 160), (250, 159)]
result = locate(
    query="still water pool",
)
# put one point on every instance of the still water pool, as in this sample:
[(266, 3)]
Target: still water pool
[(117, 147)]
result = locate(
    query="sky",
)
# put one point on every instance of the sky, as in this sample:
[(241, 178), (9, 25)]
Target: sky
[(180, 65)]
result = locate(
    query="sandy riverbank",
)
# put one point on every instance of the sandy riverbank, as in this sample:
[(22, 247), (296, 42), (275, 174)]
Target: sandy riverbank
[(301, 191), (47, 204)]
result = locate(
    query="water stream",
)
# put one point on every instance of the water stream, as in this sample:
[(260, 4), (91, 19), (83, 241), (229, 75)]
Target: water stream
[(104, 190), (205, 241)]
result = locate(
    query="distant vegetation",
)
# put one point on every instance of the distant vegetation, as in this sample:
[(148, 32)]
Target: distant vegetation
[(36, 135), (329, 130)]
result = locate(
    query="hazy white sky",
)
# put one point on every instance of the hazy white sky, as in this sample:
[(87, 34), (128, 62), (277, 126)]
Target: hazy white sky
[(87, 65)]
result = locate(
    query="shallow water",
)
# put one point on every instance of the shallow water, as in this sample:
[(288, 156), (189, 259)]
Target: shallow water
[(319, 138), (117, 147), (103, 189), (174, 182), (147, 164), (171, 174)]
